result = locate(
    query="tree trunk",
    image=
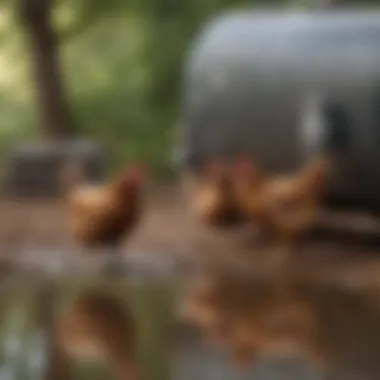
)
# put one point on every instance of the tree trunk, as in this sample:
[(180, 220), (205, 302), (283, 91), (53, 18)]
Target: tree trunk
[(54, 111)]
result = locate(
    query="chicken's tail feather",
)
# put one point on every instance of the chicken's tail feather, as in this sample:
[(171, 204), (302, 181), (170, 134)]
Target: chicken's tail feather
[(313, 178)]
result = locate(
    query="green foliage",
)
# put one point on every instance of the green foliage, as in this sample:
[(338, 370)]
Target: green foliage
[(125, 65), (122, 66)]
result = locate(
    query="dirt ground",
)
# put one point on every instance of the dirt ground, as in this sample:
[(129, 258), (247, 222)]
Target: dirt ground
[(37, 232), (29, 226)]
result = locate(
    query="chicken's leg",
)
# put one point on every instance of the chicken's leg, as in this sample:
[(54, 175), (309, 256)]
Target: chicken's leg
[(115, 265)]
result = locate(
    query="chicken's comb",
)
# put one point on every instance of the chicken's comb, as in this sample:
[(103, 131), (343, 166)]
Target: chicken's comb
[(214, 169), (244, 162), (135, 173), (246, 166)]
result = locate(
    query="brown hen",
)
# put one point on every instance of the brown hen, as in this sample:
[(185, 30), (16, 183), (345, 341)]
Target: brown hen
[(211, 197), (103, 215), (283, 207)]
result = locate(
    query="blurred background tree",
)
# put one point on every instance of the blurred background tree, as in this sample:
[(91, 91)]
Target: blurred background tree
[(54, 113), (121, 65)]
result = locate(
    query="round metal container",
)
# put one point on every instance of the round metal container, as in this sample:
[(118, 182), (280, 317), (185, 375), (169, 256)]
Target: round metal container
[(259, 82)]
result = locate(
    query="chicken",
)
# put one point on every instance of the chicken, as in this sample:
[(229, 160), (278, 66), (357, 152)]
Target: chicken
[(98, 326), (285, 207), (102, 216), (211, 197)]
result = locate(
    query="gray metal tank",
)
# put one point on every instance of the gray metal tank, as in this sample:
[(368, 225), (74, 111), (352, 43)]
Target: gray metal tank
[(262, 81)]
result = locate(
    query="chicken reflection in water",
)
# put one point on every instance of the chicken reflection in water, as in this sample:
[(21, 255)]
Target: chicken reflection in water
[(99, 326), (251, 321)]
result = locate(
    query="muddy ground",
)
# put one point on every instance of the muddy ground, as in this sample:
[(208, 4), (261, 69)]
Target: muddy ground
[(35, 234), (36, 231)]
